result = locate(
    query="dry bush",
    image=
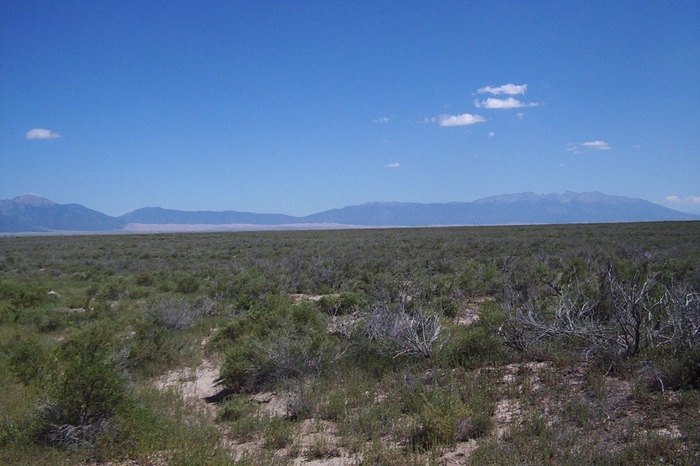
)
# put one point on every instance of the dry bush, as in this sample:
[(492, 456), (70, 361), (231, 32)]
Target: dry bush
[(643, 314), (290, 356), (572, 318), (682, 320), (69, 436), (401, 333), (179, 314)]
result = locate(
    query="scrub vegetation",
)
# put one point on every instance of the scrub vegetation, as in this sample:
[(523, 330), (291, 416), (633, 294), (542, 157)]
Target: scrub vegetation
[(489, 345)]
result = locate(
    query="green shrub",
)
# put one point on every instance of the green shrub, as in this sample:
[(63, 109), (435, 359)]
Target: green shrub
[(471, 347), (334, 405), (665, 371), (245, 368), (187, 284), (252, 365), (85, 388), (150, 345), (447, 305), (144, 279), (49, 321), (442, 419), (236, 407), (650, 448), (474, 426), (239, 413), (115, 289), (8, 312), (579, 411), (277, 433), (320, 448), (344, 303), (90, 384), (23, 295), (273, 345), (28, 360)]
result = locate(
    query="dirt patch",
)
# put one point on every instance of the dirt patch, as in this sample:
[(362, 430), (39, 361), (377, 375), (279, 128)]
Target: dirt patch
[(193, 383), (469, 310), (671, 432), (525, 375), (336, 461), (316, 439), (318, 443), (242, 450), (467, 317), (460, 454), (272, 404), (507, 414), (301, 297), (619, 392), (315, 444)]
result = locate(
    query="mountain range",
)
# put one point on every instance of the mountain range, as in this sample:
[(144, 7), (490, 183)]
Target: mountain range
[(31, 213)]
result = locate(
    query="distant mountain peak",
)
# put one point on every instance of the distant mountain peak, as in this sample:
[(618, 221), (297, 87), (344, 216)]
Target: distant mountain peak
[(30, 213), (32, 200), (35, 213), (568, 196)]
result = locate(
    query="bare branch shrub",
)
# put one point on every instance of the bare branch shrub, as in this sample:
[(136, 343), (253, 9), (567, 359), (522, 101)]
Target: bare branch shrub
[(289, 356), (404, 334), (69, 436), (644, 313), (573, 318), (682, 323), (179, 314), (635, 309)]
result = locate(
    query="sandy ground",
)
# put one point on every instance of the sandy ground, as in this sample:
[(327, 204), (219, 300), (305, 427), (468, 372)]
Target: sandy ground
[(193, 383)]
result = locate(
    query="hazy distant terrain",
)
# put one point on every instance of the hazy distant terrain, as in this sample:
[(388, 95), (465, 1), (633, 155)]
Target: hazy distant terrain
[(35, 214)]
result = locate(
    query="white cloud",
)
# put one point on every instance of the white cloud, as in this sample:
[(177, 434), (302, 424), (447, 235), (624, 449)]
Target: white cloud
[(586, 146), (508, 89), (503, 104), (683, 200), (382, 119), (41, 133), (392, 165), (459, 120), (520, 115), (492, 134), (597, 145)]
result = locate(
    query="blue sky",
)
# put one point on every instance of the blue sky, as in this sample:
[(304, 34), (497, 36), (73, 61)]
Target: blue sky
[(297, 107)]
